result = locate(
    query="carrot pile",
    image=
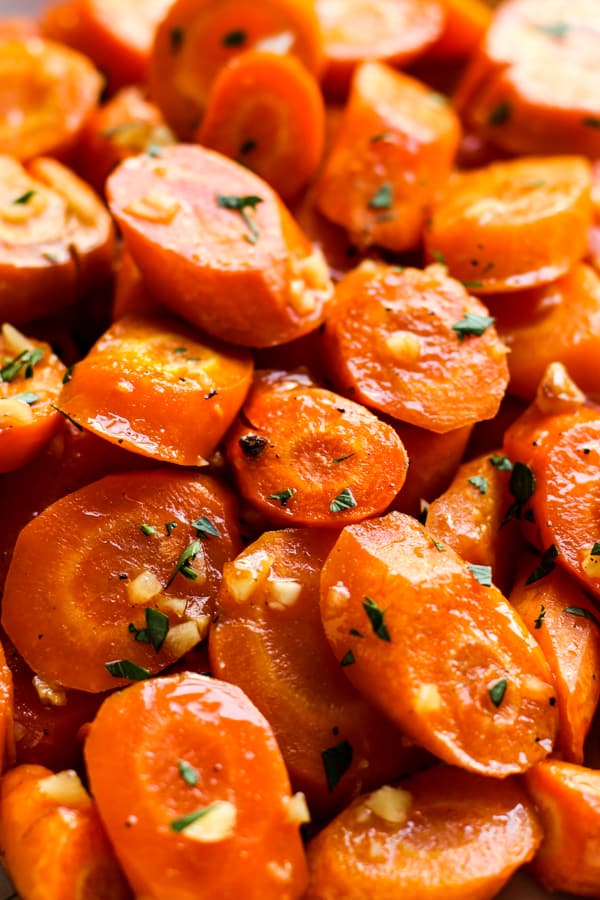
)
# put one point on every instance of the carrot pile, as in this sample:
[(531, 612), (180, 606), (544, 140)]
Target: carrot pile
[(299, 449)]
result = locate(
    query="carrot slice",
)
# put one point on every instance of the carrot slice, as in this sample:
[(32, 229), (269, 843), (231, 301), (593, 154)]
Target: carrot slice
[(134, 592), (219, 814), (394, 31), (53, 843), (198, 37), (174, 398), (306, 456), (513, 225), (392, 156), (266, 111), (515, 91), (207, 234), (416, 346), (437, 648), (444, 834), (48, 92), (131, 297), (464, 28)]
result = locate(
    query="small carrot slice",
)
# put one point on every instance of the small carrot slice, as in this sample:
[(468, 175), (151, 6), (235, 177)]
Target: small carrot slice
[(266, 111), (444, 834), (513, 225), (394, 31), (174, 398), (134, 592), (464, 28), (53, 843), (391, 157), (219, 814), (198, 37), (437, 648), (415, 345), (207, 234), (306, 456)]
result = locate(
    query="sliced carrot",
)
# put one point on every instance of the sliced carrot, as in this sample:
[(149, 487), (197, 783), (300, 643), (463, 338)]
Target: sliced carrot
[(266, 111), (60, 21), (444, 834), (515, 91), (464, 28), (134, 591), (561, 619), (415, 345), (198, 37), (131, 297), (53, 843), (306, 456), (437, 648), (392, 156), (175, 394), (513, 225), (219, 815), (218, 247), (394, 31)]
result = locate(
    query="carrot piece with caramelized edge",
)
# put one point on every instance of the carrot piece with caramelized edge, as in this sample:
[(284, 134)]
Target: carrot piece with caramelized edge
[(464, 28), (444, 834), (268, 639), (415, 345), (513, 225), (134, 591), (176, 392), (437, 648), (306, 456), (198, 37), (219, 814), (53, 843), (266, 111), (392, 156), (217, 246), (567, 798)]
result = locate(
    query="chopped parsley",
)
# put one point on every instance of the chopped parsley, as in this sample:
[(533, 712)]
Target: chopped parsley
[(537, 623), (591, 122), (439, 547), (376, 617), (27, 397), (497, 691), (583, 614), (547, 564), (147, 529), (235, 38), (170, 528), (283, 496), (185, 821), (248, 146), (68, 375), (24, 198), (252, 445), (26, 359), (472, 323), (472, 285), (557, 30), (348, 659), (241, 205), (483, 574), (522, 487), (500, 114), (344, 500), (356, 633), (336, 762), (205, 528), (595, 551), (176, 36), (156, 630), (183, 563), (439, 257), (340, 459), (480, 483), (502, 463), (383, 197), (124, 668), (188, 773), (381, 136)]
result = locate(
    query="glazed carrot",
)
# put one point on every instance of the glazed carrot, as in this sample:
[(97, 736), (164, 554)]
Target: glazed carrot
[(268, 639), (437, 648), (392, 156), (464, 28), (53, 843), (219, 815), (306, 456), (198, 37), (444, 834), (533, 86), (266, 111), (56, 239), (136, 563), (561, 619), (394, 31), (175, 395), (567, 798), (415, 345), (513, 225), (49, 92), (218, 247)]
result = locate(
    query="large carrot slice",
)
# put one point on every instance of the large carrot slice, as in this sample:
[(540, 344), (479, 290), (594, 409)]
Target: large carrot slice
[(134, 592), (444, 834), (219, 815), (515, 224), (437, 648), (218, 247)]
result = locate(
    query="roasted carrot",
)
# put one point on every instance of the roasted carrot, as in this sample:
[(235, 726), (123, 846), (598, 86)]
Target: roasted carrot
[(266, 111), (134, 591), (392, 156), (306, 456), (444, 834), (415, 345), (198, 37), (513, 225), (218, 247), (437, 648), (52, 840), (219, 815), (464, 27)]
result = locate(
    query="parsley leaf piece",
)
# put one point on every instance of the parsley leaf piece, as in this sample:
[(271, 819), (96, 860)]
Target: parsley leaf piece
[(522, 486), (480, 483), (124, 668), (68, 375), (381, 136), (340, 459), (283, 496), (184, 821), (147, 529), (27, 397), (472, 323), (205, 528), (500, 114), (347, 659), (557, 30), (235, 38), (156, 630), (502, 463), (537, 623), (176, 37), (591, 122), (344, 500), (336, 762), (189, 555), (595, 551), (383, 197), (583, 614), (24, 198), (248, 146), (376, 617), (497, 692), (439, 257), (546, 565), (66, 416), (472, 285), (188, 773), (356, 633), (240, 205), (26, 359), (483, 574), (439, 547), (170, 528)]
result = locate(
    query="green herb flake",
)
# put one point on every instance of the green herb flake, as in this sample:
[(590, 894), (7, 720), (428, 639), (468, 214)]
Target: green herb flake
[(595, 551), (235, 38), (439, 547), (381, 137), (283, 496), (241, 205), (356, 633), (147, 529), (537, 623), (170, 528), (472, 285), (154, 150), (480, 483), (344, 500), (156, 630), (188, 773), (483, 574), (188, 556), (26, 359), (341, 459), (27, 397), (472, 324), (124, 668), (66, 416), (522, 487), (24, 198), (180, 350), (500, 114), (336, 762), (248, 146), (502, 463), (497, 691), (176, 37), (68, 375), (383, 197), (376, 617), (547, 564), (583, 614), (182, 823), (591, 122), (557, 30), (348, 659), (205, 528), (439, 257)]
